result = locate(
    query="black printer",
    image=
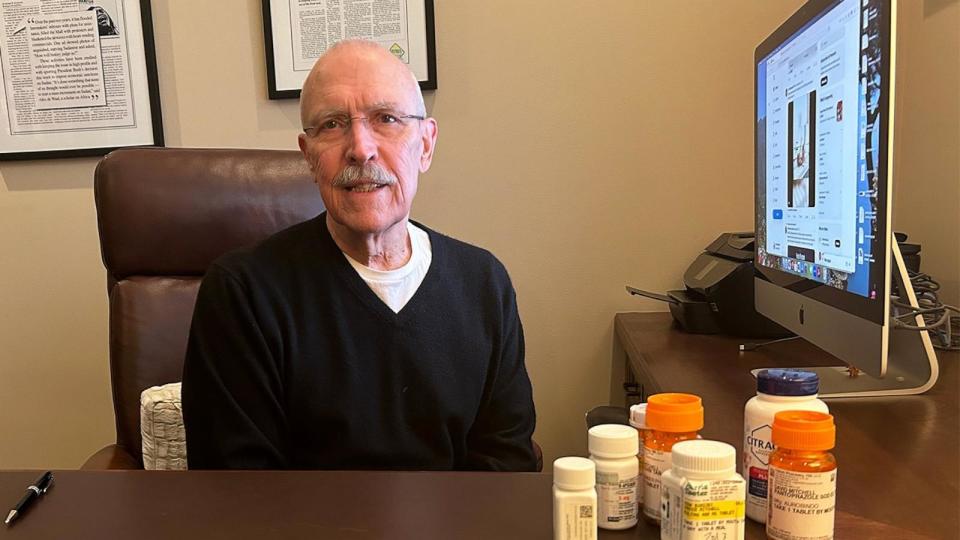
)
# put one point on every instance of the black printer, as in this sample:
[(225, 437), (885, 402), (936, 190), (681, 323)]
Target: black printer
[(718, 297)]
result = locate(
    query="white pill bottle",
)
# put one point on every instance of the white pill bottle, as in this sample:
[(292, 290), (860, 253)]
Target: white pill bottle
[(777, 390), (574, 499), (701, 495), (613, 449), (638, 420)]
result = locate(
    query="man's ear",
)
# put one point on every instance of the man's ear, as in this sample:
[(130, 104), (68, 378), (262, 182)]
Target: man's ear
[(302, 143), (428, 134)]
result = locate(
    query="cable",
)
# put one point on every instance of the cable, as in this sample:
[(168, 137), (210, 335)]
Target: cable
[(754, 346), (940, 320)]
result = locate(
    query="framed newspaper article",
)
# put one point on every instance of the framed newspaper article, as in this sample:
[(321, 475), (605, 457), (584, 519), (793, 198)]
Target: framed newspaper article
[(79, 78), (297, 32)]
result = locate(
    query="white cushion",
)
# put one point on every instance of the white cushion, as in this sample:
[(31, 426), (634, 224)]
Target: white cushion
[(161, 427)]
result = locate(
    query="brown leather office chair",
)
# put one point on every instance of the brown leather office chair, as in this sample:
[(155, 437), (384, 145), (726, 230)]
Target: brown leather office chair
[(164, 215)]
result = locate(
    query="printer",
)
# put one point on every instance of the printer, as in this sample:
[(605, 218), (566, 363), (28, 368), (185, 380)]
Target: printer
[(718, 297)]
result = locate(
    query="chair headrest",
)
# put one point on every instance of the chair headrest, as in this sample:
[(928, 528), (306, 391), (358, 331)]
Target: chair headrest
[(173, 211)]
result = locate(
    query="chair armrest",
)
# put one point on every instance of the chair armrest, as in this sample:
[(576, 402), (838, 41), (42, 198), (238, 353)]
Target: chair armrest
[(111, 457)]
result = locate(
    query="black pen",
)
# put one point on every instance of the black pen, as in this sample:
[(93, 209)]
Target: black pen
[(33, 493)]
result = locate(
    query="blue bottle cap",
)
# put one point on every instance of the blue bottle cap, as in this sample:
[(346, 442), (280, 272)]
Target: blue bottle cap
[(787, 382)]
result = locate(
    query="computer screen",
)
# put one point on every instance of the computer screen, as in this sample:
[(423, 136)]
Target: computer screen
[(824, 153), (821, 186)]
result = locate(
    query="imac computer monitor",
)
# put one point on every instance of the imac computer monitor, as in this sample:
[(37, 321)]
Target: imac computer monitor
[(824, 162)]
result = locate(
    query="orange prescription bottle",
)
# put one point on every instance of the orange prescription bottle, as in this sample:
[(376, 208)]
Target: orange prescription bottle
[(802, 481), (671, 418)]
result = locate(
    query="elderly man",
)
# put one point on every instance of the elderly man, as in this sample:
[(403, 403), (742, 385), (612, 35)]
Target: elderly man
[(359, 339)]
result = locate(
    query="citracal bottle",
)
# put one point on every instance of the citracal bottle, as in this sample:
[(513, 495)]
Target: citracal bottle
[(777, 390)]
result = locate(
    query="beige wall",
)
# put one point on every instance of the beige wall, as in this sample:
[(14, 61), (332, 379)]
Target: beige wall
[(588, 148), (927, 166)]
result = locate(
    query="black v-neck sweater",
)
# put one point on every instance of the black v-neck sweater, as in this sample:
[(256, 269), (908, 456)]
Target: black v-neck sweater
[(294, 363)]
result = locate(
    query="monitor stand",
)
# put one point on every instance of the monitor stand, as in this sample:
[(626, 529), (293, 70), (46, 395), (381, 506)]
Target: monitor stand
[(911, 362)]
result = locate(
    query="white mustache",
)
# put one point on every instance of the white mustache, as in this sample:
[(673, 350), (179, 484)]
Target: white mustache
[(370, 173)]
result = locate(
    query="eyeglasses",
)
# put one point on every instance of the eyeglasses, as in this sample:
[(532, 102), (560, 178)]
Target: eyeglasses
[(387, 125)]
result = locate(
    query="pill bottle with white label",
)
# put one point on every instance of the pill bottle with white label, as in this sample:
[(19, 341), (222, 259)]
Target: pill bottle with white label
[(802, 477), (638, 420), (671, 418), (613, 449), (574, 499), (777, 390), (701, 496)]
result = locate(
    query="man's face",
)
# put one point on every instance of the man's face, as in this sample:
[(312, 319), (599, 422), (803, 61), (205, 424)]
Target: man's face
[(356, 95)]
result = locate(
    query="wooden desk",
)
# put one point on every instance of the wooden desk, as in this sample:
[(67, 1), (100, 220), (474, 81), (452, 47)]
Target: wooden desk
[(238, 505), (265, 505), (898, 457)]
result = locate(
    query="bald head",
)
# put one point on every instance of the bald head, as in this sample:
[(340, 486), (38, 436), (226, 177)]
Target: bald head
[(359, 64)]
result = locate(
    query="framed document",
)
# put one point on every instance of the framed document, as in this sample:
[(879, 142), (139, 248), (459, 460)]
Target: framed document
[(79, 78), (297, 32)]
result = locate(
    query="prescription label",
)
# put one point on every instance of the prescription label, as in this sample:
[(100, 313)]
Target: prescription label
[(654, 463), (703, 509), (801, 504)]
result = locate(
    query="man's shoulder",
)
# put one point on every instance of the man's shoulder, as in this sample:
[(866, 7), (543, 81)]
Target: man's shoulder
[(464, 257)]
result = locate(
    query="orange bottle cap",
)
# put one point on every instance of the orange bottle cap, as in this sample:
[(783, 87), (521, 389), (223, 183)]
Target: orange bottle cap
[(675, 413), (804, 430)]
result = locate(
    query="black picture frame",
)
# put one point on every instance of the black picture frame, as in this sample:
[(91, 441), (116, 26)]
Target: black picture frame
[(143, 89), (272, 33)]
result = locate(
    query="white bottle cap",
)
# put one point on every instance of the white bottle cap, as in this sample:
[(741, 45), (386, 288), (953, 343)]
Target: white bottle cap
[(613, 441), (696, 457), (638, 415), (574, 473)]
